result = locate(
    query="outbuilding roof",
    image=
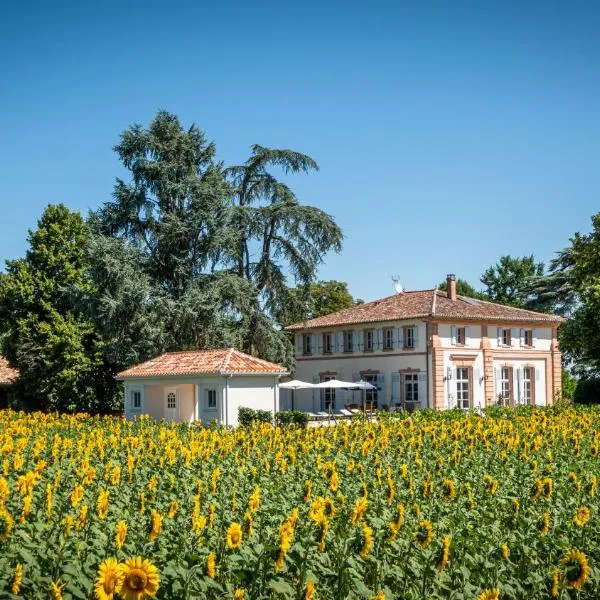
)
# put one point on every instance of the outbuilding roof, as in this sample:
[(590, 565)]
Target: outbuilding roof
[(223, 361), (422, 304), (7, 374)]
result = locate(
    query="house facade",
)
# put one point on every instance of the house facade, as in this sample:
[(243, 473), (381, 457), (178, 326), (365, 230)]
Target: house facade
[(201, 385), (430, 349)]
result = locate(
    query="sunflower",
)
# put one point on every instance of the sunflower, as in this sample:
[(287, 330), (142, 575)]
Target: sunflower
[(17, 580), (323, 529), (102, 504), (234, 536), (6, 524), (156, 520), (108, 580), (505, 551), (490, 594), (445, 553), (360, 509), (56, 588), (448, 490), (367, 540), (307, 490), (254, 501), (310, 590), (554, 591), (425, 533), (334, 481), (578, 568), (173, 507), (211, 565), (140, 579), (239, 594), (120, 533), (582, 516), (544, 525), (547, 486)]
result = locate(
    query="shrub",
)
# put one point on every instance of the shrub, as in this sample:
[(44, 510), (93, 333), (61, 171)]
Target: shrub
[(246, 416), (292, 417), (587, 391)]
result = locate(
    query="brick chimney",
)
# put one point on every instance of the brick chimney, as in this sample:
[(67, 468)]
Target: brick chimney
[(451, 286)]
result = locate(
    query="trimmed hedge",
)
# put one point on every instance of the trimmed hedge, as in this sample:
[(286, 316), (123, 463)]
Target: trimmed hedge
[(587, 391), (246, 416), (292, 417)]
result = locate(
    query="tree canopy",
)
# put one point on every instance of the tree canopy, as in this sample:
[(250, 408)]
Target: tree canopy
[(463, 288)]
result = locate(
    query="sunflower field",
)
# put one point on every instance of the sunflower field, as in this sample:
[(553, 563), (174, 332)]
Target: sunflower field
[(433, 505)]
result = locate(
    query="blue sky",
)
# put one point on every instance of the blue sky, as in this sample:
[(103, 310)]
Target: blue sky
[(447, 134)]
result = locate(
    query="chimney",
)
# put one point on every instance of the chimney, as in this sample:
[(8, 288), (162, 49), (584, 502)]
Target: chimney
[(451, 286)]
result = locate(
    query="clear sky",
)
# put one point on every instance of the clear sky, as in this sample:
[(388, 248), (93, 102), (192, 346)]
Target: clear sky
[(447, 133)]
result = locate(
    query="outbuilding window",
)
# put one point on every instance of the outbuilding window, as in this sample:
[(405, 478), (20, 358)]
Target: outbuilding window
[(136, 399), (211, 398)]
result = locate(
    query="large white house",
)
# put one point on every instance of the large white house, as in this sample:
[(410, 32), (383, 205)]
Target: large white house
[(205, 385), (429, 348)]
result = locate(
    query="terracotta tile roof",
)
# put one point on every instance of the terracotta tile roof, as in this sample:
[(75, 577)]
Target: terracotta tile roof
[(425, 304), (222, 361), (7, 374)]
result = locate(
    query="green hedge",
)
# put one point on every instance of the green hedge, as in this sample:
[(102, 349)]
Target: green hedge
[(292, 417), (587, 391), (247, 416)]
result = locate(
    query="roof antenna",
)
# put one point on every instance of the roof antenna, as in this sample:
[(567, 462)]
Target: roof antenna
[(397, 284)]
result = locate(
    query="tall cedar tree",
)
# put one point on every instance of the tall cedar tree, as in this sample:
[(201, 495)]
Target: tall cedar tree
[(54, 347)]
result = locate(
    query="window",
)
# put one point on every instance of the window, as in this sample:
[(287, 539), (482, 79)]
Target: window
[(171, 400), (348, 341), (409, 337), (528, 338), (211, 398), (460, 336), (368, 340), (504, 337), (411, 387), (328, 343), (388, 339), (528, 385), (463, 398), (306, 344), (506, 385), (370, 395), (327, 394), (136, 399)]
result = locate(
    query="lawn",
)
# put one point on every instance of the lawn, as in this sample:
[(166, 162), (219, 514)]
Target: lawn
[(439, 505)]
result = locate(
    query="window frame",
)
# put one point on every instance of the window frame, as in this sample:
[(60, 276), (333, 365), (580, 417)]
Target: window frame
[(388, 331), (349, 335), (328, 342), (410, 381), (371, 396), (468, 381), (366, 334), (508, 399), (506, 334), (133, 394), (207, 394), (531, 382), (406, 329), (307, 344), (327, 399), (461, 335), (528, 333)]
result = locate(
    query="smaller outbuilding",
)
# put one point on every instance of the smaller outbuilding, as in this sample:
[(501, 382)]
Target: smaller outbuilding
[(205, 385)]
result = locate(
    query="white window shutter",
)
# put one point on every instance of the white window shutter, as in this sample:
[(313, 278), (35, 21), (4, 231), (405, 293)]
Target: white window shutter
[(466, 335), (520, 391), (534, 337), (340, 344), (477, 375), (395, 388), (498, 373), (361, 339), (416, 337), (299, 340), (522, 337), (379, 336), (381, 390), (499, 336), (400, 338), (537, 373), (422, 387), (394, 338), (453, 335)]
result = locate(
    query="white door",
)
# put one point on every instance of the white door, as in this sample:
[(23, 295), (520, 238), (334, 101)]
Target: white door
[(463, 393), (171, 404)]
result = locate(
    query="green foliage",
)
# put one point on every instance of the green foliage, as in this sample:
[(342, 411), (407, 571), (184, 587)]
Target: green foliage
[(292, 417), (54, 345), (587, 391), (569, 383), (323, 298), (463, 288), (508, 281), (247, 416)]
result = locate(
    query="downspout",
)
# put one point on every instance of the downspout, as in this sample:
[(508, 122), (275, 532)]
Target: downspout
[(274, 399), (427, 358), (227, 400)]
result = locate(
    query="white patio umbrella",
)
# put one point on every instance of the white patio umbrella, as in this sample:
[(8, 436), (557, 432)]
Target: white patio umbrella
[(336, 383), (295, 384)]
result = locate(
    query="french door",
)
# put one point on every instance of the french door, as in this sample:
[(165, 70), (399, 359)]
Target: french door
[(463, 388)]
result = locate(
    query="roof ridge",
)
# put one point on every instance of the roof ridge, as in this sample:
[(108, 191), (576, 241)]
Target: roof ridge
[(227, 358)]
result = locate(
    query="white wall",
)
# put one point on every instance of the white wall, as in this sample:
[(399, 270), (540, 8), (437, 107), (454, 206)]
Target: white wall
[(542, 337), (472, 338), (256, 392)]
